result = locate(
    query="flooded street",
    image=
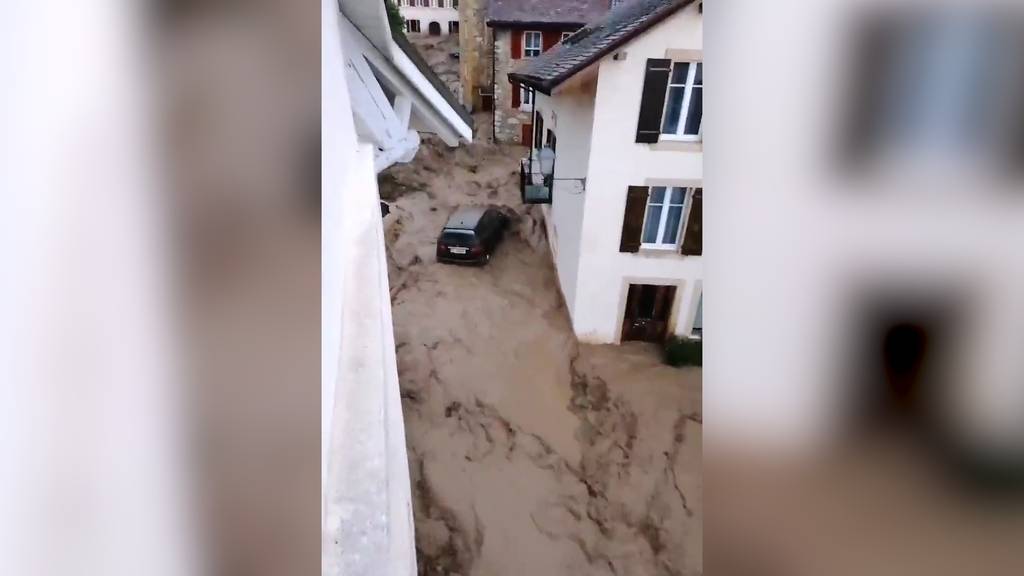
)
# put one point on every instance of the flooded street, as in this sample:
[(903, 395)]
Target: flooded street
[(529, 453)]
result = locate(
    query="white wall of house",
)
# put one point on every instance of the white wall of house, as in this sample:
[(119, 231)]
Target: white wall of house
[(596, 289), (570, 116), (367, 505), (435, 12)]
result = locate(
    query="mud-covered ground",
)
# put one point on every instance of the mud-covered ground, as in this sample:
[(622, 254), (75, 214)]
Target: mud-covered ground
[(530, 454)]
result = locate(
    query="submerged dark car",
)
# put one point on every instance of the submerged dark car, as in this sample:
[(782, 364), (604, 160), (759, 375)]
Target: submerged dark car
[(471, 235)]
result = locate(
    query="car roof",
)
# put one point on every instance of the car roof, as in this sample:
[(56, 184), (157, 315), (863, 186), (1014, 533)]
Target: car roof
[(466, 218)]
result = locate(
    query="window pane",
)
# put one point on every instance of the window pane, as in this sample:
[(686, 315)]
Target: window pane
[(694, 116), (657, 195), (677, 195), (651, 225), (698, 77), (679, 72), (673, 109), (675, 214)]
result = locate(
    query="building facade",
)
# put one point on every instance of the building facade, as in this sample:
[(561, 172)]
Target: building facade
[(430, 17), (521, 30), (616, 140)]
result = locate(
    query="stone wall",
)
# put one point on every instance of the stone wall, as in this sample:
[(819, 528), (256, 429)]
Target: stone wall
[(508, 120), (474, 52)]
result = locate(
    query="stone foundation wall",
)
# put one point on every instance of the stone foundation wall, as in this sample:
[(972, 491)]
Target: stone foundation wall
[(508, 120)]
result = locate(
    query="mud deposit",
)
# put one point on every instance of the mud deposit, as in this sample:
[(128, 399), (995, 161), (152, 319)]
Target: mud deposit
[(530, 454)]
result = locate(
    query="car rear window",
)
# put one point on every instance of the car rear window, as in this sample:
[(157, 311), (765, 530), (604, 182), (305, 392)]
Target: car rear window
[(458, 237)]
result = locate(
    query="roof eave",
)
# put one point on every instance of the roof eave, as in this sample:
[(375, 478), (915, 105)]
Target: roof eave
[(494, 23), (544, 86), (549, 84)]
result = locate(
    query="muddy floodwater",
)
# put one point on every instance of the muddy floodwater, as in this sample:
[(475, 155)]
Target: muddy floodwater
[(530, 454)]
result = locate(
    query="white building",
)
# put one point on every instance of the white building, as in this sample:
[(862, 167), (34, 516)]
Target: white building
[(375, 95), (433, 17), (619, 104)]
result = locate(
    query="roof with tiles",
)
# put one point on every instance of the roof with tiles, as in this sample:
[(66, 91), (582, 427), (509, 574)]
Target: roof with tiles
[(523, 12), (592, 42)]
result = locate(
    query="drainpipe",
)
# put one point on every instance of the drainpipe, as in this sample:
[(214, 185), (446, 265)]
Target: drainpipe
[(533, 124), (494, 92)]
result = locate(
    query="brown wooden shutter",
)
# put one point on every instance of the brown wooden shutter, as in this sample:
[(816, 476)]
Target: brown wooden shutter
[(517, 44), (633, 219), (550, 38), (515, 95), (652, 102), (692, 237)]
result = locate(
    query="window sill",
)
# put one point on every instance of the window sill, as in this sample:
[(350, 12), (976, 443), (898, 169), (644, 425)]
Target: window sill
[(658, 250), (676, 144)]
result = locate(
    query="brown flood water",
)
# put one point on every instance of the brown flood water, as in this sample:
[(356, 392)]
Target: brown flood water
[(530, 454)]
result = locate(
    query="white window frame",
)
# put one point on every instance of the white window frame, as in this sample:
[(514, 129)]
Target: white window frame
[(408, 25), (688, 86), (526, 43), (565, 35), (665, 204), (450, 22), (455, 4), (524, 97)]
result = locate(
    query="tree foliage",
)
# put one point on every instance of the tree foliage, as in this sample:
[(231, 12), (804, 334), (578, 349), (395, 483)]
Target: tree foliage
[(395, 18)]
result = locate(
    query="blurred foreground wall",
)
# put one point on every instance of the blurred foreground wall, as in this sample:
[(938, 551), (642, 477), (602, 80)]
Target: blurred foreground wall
[(865, 288)]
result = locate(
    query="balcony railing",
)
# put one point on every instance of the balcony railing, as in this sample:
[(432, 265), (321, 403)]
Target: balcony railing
[(534, 186)]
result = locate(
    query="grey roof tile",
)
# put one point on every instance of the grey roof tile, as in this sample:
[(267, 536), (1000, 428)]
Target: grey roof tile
[(593, 41), (545, 11)]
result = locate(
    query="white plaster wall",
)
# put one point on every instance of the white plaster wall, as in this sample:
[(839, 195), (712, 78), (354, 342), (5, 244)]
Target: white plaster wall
[(615, 163), (367, 505), (426, 15), (570, 116)]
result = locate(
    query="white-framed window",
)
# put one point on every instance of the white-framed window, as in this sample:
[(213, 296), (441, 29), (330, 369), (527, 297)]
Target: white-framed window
[(684, 106), (425, 3), (412, 25), (617, 3), (453, 26), (565, 35), (532, 42), (525, 97), (663, 221), (455, 4)]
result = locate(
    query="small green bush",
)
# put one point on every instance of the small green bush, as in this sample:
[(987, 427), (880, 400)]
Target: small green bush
[(683, 352)]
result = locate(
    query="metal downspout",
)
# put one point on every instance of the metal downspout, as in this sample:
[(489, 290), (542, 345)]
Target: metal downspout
[(494, 93), (533, 124)]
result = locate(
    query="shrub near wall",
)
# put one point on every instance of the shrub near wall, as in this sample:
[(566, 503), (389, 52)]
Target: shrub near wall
[(683, 352)]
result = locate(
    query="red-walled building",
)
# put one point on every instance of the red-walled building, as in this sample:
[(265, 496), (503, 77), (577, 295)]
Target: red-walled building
[(521, 29)]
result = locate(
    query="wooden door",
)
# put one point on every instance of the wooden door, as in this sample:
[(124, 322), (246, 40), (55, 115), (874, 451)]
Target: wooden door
[(648, 309), (527, 134)]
